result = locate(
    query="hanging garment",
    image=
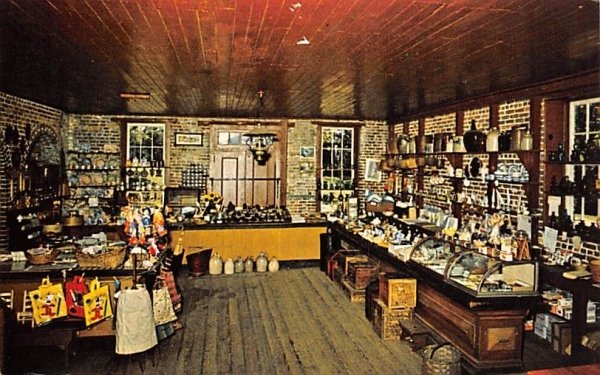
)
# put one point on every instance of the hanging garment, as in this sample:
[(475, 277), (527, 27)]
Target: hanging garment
[(136, 331), (169, 282)]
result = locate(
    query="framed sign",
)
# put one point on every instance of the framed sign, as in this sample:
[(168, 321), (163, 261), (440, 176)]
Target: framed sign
[(372, 172), (189, 139), (307, 151)]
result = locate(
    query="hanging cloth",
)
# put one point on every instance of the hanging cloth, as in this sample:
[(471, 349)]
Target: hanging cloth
[(136, 331)]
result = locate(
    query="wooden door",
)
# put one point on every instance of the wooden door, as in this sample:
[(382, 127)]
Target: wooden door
[(236, 176)]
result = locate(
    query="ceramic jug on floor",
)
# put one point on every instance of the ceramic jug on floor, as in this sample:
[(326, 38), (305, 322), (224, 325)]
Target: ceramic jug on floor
[(261, 263), (228, 268), (273, 265), (238, 267), (215, 265)]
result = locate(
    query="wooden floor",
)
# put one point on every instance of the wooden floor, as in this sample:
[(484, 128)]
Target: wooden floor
[(290, 322)]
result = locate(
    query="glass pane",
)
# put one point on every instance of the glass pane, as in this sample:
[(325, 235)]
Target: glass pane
[(327, 159), (134, 154), (337, 139), (223, 138), (337, 174), (146, 154), (235, 138), (157, 137), (327, 138), (157, 154), (348, 138), (347, 159), (580, 111), (595, 117)]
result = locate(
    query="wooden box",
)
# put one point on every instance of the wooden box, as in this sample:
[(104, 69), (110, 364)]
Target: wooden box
[(360, 274), (397, 291), (346, 256), (372, 294), (561, 337), (355, 295), (386, 321)]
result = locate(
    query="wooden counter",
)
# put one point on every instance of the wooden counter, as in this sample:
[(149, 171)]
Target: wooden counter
[(487, 330), (282, 241)]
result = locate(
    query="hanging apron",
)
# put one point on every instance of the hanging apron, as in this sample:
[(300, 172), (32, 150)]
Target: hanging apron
[(136, 331)]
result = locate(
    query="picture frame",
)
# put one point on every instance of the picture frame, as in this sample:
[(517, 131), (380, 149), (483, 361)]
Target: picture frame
[(372, 172), (189, 139), (307, 151)]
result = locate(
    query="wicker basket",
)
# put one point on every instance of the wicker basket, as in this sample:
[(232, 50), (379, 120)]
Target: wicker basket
[(112, 258), (45, 258), (595, 270), (441, 359)]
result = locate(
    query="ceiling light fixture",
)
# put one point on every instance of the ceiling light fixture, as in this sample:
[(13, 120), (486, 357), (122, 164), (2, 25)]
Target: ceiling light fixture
[(260, 140), (303, 42), (135, 95)]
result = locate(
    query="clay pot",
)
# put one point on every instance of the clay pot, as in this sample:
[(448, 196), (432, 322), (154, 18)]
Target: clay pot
[(474, 139)]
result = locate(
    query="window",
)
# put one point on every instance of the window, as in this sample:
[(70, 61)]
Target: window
[(145, 163), (584, 133), (337, 172)]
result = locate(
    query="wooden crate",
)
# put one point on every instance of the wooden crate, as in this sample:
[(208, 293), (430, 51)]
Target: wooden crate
[(397, 290), (386, 321), (346, 256), (372, 294), (355, 295), (360, 274)]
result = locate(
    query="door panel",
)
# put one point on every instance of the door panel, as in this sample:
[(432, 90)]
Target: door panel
[(237, 177)]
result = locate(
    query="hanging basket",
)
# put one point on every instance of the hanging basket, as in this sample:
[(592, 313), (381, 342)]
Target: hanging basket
[(443, 359)]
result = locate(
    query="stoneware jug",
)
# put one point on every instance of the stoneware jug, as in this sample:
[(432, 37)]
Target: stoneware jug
[(273, 265), (249, 265), (215, 265), (492, 139), (474, 139), (262, 263), (238, 266), (229, 267), (458, 145)]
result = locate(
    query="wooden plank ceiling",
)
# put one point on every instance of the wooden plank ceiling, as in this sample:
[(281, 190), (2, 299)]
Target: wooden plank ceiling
[(376, 59)]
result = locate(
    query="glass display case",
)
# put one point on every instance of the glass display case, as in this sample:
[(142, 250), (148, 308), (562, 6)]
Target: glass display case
[(478, 274)]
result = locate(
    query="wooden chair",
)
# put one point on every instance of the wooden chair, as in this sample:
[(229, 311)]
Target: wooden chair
[(25, 316)]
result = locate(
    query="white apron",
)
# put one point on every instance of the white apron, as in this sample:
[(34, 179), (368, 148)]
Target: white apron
[(136, 331)]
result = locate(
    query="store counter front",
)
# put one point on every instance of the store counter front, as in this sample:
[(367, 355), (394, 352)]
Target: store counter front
[(284, 241)]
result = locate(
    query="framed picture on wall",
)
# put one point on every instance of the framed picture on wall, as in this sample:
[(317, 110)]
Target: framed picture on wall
[(189, 139), (307, 151), (372, 172)]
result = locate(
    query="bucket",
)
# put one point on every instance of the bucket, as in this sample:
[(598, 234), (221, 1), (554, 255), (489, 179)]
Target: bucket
[(198, 262)]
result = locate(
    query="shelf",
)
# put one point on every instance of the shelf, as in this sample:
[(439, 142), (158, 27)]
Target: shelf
[(93, 169), (571, 163), (516, 182), (106, 186), (93, 152)]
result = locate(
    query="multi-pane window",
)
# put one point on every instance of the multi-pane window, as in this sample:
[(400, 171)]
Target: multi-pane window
[(337, 158), (145, 143), (584, 150)]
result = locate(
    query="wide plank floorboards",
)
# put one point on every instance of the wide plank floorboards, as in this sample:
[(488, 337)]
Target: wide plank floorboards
[(290, 322)]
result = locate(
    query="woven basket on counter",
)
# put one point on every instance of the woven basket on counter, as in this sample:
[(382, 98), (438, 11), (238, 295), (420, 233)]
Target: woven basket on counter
[(112, 258), (441, 359), (42, 258)]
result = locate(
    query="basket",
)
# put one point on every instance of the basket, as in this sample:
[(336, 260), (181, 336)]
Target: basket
[(112, 258), (441, 359), (595, 270), (43, 258)]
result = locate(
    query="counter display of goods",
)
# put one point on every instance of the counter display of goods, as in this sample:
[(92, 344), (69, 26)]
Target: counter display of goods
[(478, 274)]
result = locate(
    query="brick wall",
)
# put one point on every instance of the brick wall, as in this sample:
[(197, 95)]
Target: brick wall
[(44, 122), (373, 142), (301, 171)]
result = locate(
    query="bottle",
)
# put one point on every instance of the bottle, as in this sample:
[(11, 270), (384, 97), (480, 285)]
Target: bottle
[(273, 265), (262, 263), (560, 152), (228, 269)]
